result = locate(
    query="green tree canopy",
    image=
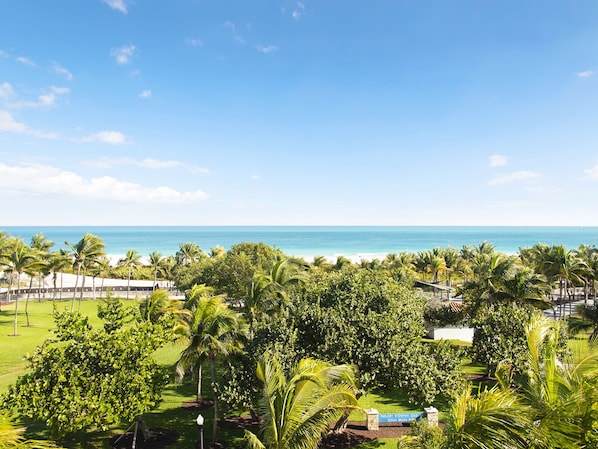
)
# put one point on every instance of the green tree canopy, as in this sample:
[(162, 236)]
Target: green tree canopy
[(89, 378)]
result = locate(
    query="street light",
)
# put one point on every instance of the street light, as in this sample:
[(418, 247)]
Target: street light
[(200, 425)]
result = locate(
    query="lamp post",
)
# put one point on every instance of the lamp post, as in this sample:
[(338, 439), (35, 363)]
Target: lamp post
[(200, 425)]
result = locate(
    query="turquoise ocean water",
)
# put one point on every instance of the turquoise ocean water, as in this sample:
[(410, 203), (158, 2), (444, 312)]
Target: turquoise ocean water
[(308, 241)]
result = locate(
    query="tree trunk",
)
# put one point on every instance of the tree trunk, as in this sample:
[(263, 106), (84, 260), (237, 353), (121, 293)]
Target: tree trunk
[(75, 289), (27, 300), (17, 304), (128, 284), (213, 372), (61, 287), (198, 398), (82, 287)]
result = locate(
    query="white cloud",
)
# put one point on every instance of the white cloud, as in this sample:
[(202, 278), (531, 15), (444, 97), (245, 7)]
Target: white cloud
[(146, 94), (6, 91), (111, 137), (119, 5), (266, 50), (47, 99), (144, 163), (26, 61), (518, 176), (585, 74), (194, 42), (10, 125), (299, 11), (236, 36), (498, 160), (592, 173), (123, 54), (47, 180), (255, 177), (57, 68)]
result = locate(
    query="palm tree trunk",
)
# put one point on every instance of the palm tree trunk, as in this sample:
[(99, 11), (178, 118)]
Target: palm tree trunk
[(75, 289), (213, 372), (17, 304), (27, 300), (128, 284), (198, 398), (61, 287), (82, 287), (102, 286)]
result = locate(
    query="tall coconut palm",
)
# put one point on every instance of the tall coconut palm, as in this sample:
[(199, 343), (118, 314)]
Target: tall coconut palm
[(155, 264), (298, 410), (131, 261), (89, 248), (59, 260), (20, 259), (188, 252), (214, 330), (525, 286), (586, 320), (42, 245)]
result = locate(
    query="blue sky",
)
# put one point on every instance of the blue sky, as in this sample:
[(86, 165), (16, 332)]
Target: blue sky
[(279, 112)]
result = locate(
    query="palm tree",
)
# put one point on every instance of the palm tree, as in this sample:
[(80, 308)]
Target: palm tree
[(525, 287), (155, 263), (188, 252), (298, 410), (586, 320), (560, 393), (20, 259), (131, 261), (42, 245), (86, 250), (11, 437), (214, 330), (495, 419), (59, 260)]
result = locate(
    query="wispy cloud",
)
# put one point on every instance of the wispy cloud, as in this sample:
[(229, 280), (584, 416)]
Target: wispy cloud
[(10, 125), (47, 180), (111, 137), (236, 36), (119, 5), (255, 177), (497, 160), (123, 54), (518, 176), (57, 68), (6, 91), (26, 61), (266, 50), (592, 172), (47, 98), (194, 42), (146, 94), (144, 163), (585, 74), (298, 11)]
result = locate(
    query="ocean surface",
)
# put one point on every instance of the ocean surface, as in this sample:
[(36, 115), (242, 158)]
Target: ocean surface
[(308, 241)]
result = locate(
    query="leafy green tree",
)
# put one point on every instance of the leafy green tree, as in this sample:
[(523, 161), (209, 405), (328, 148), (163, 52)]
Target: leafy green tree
[(214, 330), (298, 409), (86, 378), (366, 318), (499, 337), (131, 261), (85, 251)]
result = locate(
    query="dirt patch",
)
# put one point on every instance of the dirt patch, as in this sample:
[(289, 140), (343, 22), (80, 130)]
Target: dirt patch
[(203, 404)]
